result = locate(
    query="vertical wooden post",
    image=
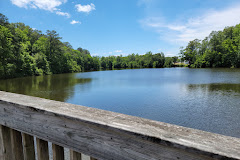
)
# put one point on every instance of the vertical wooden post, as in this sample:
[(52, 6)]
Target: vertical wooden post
[(75, 155), (17, 147), (92, 158), (42, 150), (58, 152), (1, 144), (5, 140), (28, 147)]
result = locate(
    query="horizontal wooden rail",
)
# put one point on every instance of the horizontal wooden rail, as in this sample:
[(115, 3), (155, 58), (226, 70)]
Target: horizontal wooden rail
[(110, 136)]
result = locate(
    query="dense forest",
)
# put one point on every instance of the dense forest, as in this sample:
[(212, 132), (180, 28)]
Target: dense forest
[(219, 49), (25, 52)]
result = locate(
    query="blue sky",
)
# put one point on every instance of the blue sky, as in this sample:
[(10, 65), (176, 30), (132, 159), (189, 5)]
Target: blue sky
[(114, 27)]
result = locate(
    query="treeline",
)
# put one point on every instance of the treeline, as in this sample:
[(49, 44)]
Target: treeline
[(148, 60), (219, 49), (25, 52)]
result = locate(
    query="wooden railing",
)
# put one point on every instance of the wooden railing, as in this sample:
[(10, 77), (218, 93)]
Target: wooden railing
[(100, 134)]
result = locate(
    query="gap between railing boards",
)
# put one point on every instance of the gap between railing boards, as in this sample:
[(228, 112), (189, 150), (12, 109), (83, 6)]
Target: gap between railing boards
[(20, 146)]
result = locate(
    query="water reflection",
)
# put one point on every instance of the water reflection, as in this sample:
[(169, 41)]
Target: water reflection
[(206, 99), (223, 87), (56, 87)]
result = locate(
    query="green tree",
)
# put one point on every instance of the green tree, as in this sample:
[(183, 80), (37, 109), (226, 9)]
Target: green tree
[(54, 51), (3, 20), (5, 50), (175, 58), (191, 51), (168, 62)]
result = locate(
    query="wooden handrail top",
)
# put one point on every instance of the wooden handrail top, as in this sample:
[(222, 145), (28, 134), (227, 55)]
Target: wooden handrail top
[(109, 135)]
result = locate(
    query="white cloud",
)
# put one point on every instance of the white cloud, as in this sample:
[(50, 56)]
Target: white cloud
[(63, 14), (197, 27), (169, 54), (118, 51), (75, 22), (85, 8), (177, 28), (50, 5)]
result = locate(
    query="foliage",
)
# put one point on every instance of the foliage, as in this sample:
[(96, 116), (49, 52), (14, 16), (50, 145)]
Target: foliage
[(169, 62), (148, 60), (26, 52), (219, 49)]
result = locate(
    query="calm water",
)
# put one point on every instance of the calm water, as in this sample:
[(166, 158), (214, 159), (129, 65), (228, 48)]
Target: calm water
[(206, 99)]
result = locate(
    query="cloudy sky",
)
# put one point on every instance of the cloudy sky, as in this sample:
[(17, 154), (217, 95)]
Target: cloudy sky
[(114, 27)]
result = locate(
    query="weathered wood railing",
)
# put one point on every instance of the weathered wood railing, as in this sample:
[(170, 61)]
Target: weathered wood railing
[(101, 134)]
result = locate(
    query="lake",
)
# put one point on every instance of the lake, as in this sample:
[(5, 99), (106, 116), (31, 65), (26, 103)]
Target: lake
[(205, 99)]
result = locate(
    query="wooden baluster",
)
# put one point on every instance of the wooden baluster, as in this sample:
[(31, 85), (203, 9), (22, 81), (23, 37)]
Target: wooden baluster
[(42, 150), (75, 155), (28, 147), (17, 147), (5, 142), (58, 152), (1, 144)]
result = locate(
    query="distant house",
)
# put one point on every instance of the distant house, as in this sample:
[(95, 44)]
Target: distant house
[(186, 62)]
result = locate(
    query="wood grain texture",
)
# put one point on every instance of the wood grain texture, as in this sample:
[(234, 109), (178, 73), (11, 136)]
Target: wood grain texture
[(107, 135), (75, 155), (17, 146), (1, 143), (58, 152), (42, 149), (5, 140), (28, 147)]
